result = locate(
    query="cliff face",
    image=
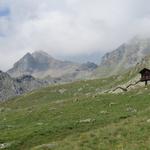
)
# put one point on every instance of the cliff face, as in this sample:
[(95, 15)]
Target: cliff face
[(10, 87)]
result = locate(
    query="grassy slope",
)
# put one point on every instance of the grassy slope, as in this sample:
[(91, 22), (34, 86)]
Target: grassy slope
[(74, 116)]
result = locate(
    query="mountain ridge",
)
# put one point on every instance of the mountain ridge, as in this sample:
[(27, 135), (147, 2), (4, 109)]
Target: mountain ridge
[(124, 57), (41, 65)]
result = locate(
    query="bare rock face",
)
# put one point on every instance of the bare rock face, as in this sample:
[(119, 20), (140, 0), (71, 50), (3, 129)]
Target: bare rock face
[(124, 57), (23, 66), (7, 86), (10, 87)]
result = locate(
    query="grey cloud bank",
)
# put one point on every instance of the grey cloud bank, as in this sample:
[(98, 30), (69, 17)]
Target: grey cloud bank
[(68, 27)]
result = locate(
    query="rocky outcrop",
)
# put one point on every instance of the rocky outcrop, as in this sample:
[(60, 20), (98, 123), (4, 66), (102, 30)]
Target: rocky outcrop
[(10, 87)]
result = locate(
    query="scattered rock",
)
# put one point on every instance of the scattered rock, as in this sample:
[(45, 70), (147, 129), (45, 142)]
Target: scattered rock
[(98, 90), (88, 94), (111, 104), (104, 112), (5, 145), (94, 96), (10, 126), (46, 146), (132, 110), (148, 120), (62, 91), (80, 89), (30, 111), (60, 101), (87, 120), (52, 109), (118, 90), (40, 123), (76, 100)]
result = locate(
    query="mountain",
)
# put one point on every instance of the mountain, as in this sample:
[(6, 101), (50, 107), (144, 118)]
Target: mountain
[(10, 87), (124, 57), (41, 65)]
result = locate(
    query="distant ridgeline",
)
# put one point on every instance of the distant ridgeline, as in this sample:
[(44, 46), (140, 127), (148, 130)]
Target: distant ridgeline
[(41, 65), (125, 57)]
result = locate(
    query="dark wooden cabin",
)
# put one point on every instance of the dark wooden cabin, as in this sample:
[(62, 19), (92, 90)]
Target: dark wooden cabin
[(145, 75)]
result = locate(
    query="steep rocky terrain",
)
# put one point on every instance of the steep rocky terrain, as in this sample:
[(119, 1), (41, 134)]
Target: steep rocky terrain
[(42, 65), (124, 57), (10, 87)]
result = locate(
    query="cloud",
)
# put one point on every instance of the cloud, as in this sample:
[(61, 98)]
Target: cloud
[(68, 27)]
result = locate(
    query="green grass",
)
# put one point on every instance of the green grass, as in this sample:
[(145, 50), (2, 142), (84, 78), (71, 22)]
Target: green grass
[(76, 116)]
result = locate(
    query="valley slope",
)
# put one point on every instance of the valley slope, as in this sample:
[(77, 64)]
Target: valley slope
[(79, 116)]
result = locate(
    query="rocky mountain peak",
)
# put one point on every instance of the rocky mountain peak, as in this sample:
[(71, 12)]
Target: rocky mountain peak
[(125, 56), (26, 58), (129, 53), (41, 65), (38, 54), (27, 55), (30, 63)]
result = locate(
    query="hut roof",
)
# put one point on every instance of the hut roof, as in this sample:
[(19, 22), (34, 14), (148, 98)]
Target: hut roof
[(144, 70)]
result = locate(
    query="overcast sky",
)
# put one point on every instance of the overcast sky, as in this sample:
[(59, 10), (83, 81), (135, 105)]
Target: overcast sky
[(68, 27)]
